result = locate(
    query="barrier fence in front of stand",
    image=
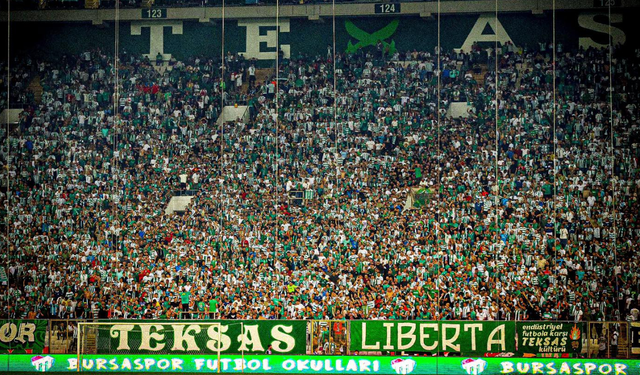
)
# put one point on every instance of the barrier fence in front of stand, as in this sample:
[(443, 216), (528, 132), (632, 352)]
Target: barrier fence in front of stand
[(549, 339)]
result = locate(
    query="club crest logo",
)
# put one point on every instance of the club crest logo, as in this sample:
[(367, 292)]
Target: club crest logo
[(366, 39), (474, 366), (403, 366), (41, 363)]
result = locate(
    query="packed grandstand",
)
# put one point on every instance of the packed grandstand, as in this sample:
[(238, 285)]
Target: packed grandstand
[(495, 234)]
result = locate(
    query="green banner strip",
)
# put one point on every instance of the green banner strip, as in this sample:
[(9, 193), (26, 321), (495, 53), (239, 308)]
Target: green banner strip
[(432, 337), (22, 336), (550, 338), (249, 336), (262, 364)]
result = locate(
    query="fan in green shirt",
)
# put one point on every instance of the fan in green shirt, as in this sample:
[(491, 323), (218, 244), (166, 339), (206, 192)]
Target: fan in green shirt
[(213, 306), (185, 298)]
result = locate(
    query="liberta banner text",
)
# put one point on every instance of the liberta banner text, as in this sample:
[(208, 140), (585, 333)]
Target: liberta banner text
[(433, 337)]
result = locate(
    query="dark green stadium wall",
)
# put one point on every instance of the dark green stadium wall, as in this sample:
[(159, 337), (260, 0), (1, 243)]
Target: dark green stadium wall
[(307, 37)]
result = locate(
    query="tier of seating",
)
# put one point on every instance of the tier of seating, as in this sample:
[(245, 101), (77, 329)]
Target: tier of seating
[(535, 217)]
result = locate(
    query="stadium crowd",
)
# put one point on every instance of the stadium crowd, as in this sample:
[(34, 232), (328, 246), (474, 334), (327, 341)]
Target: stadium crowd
[(549, 238)]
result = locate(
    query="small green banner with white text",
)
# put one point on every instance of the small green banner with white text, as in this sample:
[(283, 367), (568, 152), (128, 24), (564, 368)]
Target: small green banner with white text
[(433, 337), (22, 336), (548, 339)]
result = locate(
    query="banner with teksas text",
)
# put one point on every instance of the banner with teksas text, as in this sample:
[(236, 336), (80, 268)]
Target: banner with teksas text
[(550, 339), (210, 337), (22, 336), (467, 337)]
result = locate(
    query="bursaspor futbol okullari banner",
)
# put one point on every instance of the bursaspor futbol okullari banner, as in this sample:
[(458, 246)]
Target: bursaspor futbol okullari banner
[(280, 364)]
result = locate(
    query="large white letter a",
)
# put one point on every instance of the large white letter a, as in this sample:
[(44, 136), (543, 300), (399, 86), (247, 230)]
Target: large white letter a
[(476, 34)]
